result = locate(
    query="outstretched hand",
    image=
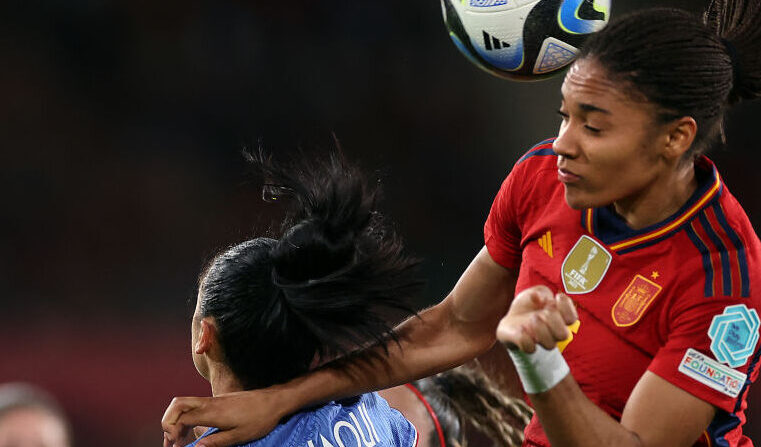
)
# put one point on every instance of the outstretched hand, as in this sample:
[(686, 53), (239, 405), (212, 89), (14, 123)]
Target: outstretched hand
[(240, 417), (537, 317)]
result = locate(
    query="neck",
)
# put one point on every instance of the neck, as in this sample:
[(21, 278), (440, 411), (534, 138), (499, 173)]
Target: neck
[(662, 198), (223, 381)]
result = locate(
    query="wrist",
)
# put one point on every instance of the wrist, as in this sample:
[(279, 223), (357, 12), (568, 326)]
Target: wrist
[(540, 370), (285, 399)]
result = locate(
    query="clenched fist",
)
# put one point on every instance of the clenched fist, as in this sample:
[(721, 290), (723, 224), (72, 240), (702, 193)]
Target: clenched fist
[(537, 316)]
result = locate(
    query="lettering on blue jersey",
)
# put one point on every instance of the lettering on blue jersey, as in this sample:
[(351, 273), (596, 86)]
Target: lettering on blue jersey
[(734, 334), (712, 373), (368, 423), (364, 434), (352, 430)]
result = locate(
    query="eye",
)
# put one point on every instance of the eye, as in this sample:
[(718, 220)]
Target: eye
[(592, 129), (562, 114)]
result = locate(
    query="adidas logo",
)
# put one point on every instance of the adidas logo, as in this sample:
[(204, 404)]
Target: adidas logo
[(492, 43), (546, 243)]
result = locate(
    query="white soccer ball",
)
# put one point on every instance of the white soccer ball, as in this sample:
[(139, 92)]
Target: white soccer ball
[(523, 39)]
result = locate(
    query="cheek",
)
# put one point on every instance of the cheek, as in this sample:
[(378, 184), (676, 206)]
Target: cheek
[(615, 171), (621, 161)]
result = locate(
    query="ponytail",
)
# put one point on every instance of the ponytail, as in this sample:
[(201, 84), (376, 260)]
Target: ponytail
[(465, 398), (738, 24), (328, 286)]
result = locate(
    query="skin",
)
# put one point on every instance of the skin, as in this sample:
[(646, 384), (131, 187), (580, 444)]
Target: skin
[(619, 154), (208, 356), (32, 427), (209, 362), (610, 152), (609, 139), (404, 400), (459, 328)]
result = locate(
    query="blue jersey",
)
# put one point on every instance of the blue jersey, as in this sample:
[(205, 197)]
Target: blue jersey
[(363, 421)]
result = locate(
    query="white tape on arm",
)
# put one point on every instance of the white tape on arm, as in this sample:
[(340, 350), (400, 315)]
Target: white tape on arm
[(540, 370)]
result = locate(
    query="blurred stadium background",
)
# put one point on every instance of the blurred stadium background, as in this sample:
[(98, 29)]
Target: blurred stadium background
[(121, 128)]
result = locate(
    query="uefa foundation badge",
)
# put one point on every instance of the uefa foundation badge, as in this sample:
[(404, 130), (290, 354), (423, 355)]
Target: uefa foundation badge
[(734, 335)]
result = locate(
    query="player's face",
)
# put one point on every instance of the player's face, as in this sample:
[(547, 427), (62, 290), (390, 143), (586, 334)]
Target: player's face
[(32, 427), (607, 146)]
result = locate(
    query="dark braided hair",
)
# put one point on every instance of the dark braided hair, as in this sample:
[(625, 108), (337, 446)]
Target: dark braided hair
[(326, 287), (465, 399), (683, 65)]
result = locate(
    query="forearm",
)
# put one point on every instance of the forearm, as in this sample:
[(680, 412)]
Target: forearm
[(570, 419), (454, 331), (497, 365), (446, 335), (657, 412), (434, 342)]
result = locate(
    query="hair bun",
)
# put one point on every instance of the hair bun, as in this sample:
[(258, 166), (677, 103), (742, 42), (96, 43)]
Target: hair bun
[(738, 24), (309, 251)]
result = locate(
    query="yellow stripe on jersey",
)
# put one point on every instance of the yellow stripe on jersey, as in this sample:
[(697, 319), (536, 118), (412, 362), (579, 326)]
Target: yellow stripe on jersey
[(688, 214)]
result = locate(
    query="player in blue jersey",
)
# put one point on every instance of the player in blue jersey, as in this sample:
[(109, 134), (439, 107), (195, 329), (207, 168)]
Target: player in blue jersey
[(268, 310), (624, 213)]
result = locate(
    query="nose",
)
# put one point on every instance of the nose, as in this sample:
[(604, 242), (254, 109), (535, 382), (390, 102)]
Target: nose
[(565, 144)]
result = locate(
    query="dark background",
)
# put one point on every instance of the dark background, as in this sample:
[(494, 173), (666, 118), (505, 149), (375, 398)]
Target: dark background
[(121, 124)]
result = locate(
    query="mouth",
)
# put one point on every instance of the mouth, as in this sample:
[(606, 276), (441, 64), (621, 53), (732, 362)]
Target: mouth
[(567, 177)]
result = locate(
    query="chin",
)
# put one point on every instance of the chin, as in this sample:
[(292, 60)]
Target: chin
[(581, 202), (575, 200)]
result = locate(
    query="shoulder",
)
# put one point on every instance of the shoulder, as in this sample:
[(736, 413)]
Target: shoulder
[(296, 430), (725, 243), (535, 173), (540, 152), (730, 233), (732, 217), (727, 213), (539, 158), (535, 167), (368, 405)]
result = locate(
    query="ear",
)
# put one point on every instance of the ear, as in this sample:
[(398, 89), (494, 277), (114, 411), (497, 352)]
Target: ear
[(681, 134), (207, 337)]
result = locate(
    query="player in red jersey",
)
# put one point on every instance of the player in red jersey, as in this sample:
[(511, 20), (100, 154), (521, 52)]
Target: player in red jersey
[(645, 298), (620, 228)]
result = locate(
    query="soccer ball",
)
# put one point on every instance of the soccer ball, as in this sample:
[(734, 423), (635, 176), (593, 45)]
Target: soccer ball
[(523, 39)]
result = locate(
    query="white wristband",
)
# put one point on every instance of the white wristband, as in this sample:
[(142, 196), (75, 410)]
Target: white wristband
[(540, 370)]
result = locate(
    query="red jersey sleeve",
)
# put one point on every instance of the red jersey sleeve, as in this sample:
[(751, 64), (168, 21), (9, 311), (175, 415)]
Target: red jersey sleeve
[(503, 231), (693, 357), (502, 234)]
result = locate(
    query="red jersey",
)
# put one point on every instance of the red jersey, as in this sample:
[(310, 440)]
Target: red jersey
[(676, 298)]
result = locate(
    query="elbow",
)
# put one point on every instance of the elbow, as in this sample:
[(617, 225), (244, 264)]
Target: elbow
[(634, 439), (477, 335)]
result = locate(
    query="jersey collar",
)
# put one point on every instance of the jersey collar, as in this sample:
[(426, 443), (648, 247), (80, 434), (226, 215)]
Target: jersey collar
[(611, 229)]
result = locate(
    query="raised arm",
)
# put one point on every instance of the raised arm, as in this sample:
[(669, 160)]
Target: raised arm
[(657, 413), (446, 335)]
